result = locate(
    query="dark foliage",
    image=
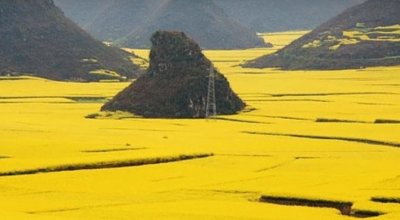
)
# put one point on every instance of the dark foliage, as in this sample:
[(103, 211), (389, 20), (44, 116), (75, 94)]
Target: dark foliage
[(343, 207)]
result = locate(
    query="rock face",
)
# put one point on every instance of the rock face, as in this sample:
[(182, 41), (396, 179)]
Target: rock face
[(176, 83), (130, 23), (36, 38), (362, 36)]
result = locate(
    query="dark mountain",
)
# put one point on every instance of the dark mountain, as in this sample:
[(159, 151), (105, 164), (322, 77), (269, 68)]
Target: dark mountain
[(36, 38), (364, 35), (130, 23), (176, 83), (283, 15)]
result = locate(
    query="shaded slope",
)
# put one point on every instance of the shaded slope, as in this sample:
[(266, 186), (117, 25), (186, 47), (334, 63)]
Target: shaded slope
[(44, 43), (84, 13), (175, 85), (365, 35), (110, 20), (122, 17)]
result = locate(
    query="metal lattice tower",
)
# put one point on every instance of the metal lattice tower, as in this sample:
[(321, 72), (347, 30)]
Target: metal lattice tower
[(211, 105)]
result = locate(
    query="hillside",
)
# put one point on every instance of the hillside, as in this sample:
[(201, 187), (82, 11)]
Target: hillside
[(131, 23), (176, 83), (362, 36), (202, 20), (44, 43), (283, 15)]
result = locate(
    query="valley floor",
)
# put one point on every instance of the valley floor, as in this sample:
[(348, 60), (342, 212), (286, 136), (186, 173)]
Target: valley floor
[(327, 135)]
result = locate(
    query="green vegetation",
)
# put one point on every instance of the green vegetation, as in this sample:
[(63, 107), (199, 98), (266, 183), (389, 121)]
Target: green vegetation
[(103, 74), (105, 165), (88, 99), (78, 99), (238, 120), (385, 200), (387, 121), (343, 207), (334, 120), (111, 115), (365, 213), (113, 150), (12, 78), (349, 139)]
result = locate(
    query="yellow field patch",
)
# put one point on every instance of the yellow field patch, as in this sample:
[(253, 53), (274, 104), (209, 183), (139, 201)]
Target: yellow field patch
[(306, 134), (281, 39)]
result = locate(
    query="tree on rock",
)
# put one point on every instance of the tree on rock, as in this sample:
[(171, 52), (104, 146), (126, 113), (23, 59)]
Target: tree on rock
[(176, 83)]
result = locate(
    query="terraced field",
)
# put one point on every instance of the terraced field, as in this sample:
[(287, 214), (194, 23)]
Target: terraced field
[(310, 145), (358, 35)]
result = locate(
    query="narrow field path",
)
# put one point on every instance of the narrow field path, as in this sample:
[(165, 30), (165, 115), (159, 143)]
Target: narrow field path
[(348, 139), (105, 164)]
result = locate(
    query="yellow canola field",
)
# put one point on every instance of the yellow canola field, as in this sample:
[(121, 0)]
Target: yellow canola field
[(305, 134)]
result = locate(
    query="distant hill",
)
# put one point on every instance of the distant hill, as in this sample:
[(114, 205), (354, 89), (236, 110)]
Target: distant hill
[(131, 23), (109, 20), (122, 17), (362, 36), (36, 38), (202, 20), (284, 15)]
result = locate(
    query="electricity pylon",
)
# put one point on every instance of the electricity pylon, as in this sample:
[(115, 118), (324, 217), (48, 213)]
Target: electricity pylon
[(211, 106)]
